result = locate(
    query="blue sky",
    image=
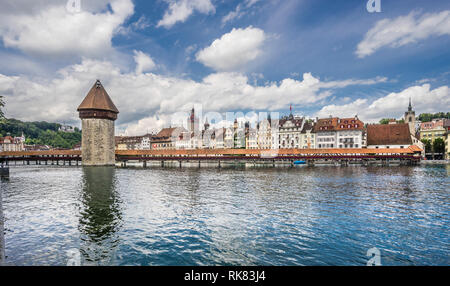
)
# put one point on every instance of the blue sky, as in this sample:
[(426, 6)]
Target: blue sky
[(159, 58)]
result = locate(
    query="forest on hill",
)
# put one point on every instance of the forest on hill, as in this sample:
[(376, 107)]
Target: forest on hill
[(40, 133)]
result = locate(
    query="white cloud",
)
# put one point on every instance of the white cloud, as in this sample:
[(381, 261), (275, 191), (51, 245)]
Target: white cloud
[(394, 104), (240, 11), (404, 30), (143, 62), (52, 31), (147, 99), (236, 14), (180, 10), (233, 49)]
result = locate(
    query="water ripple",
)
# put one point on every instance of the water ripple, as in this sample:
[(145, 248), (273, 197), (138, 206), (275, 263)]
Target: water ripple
[(157, 216)]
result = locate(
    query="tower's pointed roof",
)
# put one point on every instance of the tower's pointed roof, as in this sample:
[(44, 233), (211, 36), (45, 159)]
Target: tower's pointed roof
[(97, 98)]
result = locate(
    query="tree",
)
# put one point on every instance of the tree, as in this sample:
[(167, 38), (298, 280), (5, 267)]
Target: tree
[(427, 117), (427, 144), (384, 121), (439, 146)]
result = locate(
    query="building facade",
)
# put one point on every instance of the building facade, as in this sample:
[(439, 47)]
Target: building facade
[(386, 136), (432, 130), (12, 144), (290, 132)]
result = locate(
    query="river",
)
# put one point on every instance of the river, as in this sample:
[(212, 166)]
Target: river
[(327, 215)]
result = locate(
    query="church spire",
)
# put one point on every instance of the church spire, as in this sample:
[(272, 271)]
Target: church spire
[(410, 106)]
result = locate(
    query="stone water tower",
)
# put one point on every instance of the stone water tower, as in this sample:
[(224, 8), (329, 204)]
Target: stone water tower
[(97, 113)]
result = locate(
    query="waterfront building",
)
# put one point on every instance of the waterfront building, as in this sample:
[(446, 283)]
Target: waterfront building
[(334, 132), (119, 145), (307, 135), (381, 136), (98, 113), (289, 131), (11, 144), (251, 138), (447, 138), (228, 137), (196, 141), (432, 130), (166, 138), (350, 133), (209, 138), (238, 135), (264, 136), (219, 138), (129, 142), (146, 141), (325, 130)]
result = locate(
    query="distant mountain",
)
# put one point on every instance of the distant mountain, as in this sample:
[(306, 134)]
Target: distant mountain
[(40, 133)]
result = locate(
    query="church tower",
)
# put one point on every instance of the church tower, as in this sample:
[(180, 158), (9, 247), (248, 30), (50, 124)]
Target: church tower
[(410, 118), (97, 113)]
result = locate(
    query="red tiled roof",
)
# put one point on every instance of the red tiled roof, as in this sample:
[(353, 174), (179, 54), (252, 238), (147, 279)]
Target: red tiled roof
[(338, 124), (326, 124), (350, 124), (388, 134)]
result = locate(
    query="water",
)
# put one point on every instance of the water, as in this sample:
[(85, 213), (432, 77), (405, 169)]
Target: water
[(172, 216)]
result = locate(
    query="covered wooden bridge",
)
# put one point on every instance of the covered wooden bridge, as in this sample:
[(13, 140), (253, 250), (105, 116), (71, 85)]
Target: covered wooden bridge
[(410, 155)]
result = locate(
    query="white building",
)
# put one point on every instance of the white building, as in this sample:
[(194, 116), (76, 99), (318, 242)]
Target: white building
[(10, 144), (251, 139), (289, 132), (307, 135), (264, 136)]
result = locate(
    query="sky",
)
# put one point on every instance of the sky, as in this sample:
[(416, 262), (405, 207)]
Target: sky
[(158, 59)]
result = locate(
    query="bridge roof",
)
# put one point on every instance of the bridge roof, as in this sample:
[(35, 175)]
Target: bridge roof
[(98, 99), (199, 152)]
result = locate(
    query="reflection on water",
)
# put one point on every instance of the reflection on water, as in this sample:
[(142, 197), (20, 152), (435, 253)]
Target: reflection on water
[(164, 216), (100, 216)]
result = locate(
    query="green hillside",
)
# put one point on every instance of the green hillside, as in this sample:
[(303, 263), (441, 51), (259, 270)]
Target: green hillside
[(41, 133)]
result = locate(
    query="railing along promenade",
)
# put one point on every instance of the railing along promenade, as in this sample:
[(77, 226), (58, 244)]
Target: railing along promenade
[(410, 154)]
